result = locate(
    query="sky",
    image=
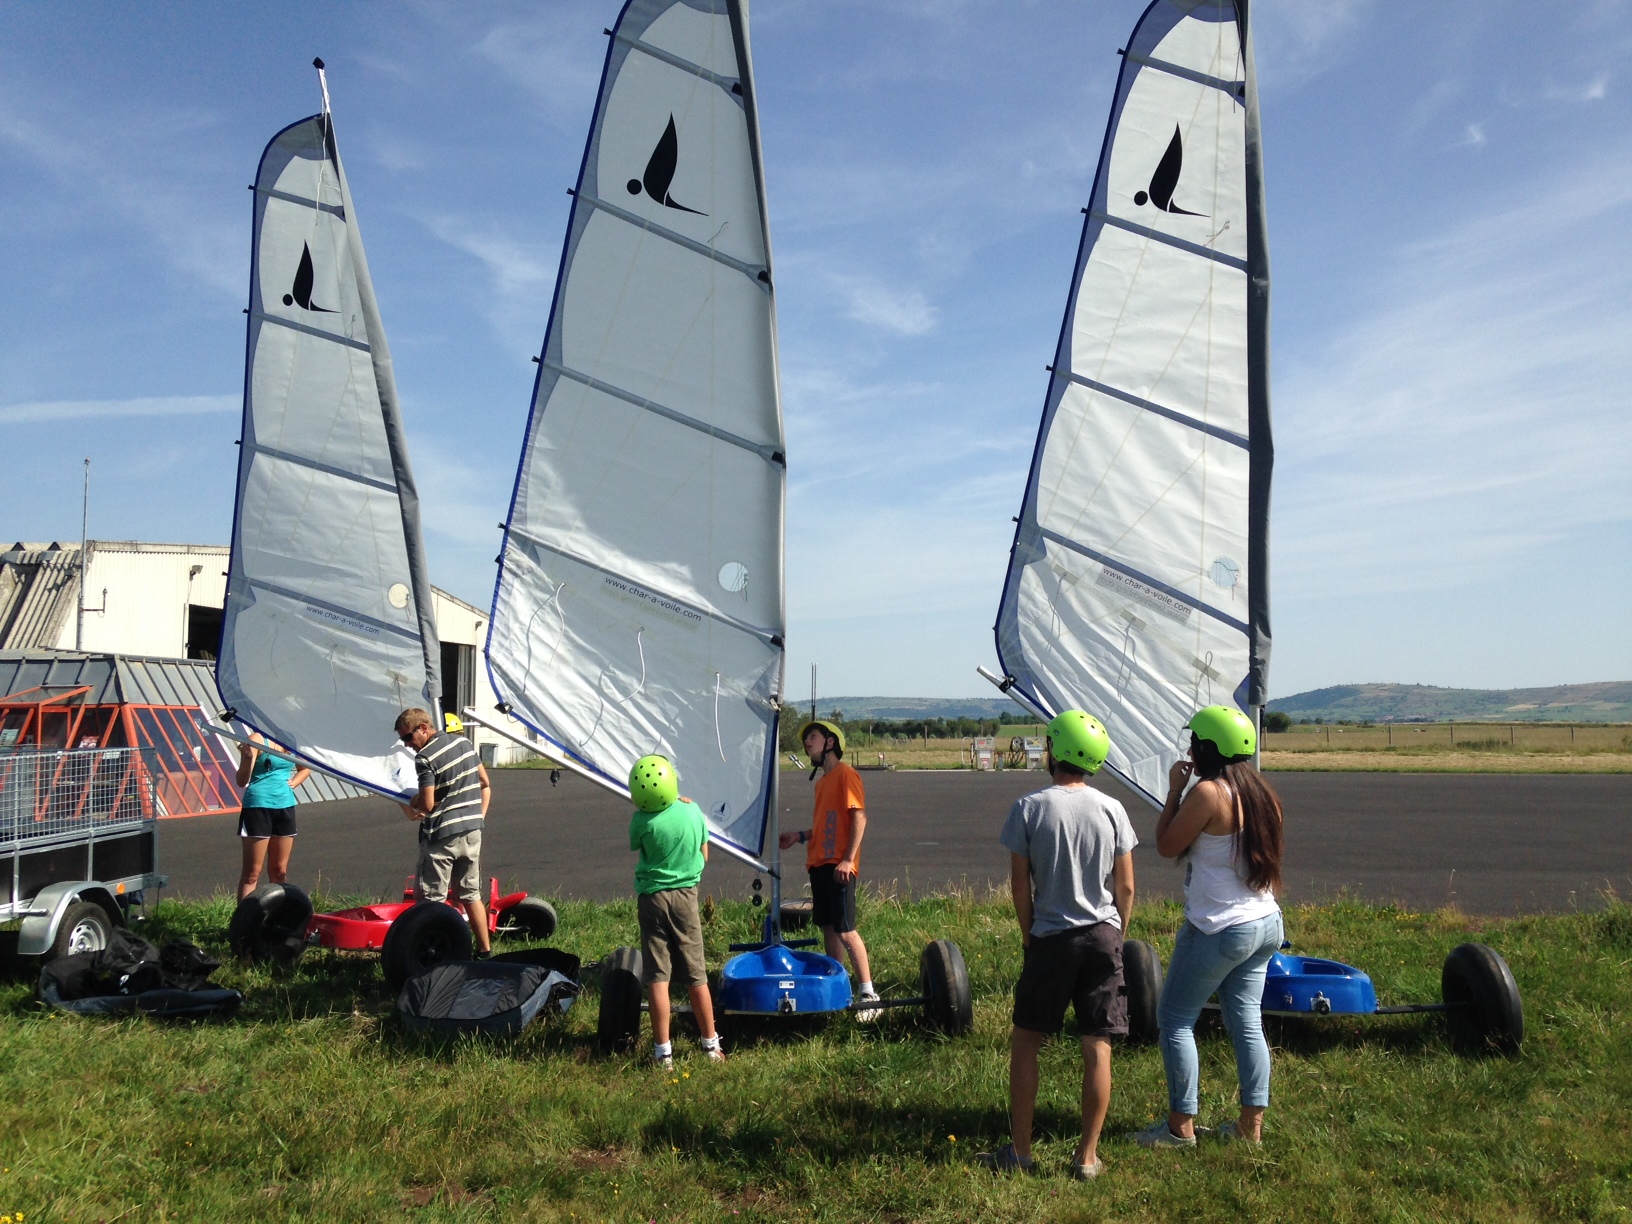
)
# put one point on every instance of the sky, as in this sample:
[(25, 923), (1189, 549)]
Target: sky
[(1449, 194)]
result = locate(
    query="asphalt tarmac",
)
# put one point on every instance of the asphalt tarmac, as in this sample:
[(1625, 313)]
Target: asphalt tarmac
[(1489, 843)]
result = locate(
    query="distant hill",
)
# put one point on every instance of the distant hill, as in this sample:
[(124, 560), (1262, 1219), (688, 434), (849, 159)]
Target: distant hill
[(919, 707), (1607, 702)]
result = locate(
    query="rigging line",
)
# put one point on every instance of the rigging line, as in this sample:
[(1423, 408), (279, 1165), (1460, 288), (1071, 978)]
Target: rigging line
[(758, 274), (1127, 397), (561, 630), (1172, 240), (764, 450), (718, 740), (600, 688), (729, 84)]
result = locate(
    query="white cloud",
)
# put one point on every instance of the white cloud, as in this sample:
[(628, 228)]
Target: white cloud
[(146, 406), (1474, 416), (1474, 136), (521, 272), (903, 311), (1295, 41), (1595, 90)]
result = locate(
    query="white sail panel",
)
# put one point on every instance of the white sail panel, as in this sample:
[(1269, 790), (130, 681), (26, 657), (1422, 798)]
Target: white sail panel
[(639, 605), (1137, 585), (328, 632)]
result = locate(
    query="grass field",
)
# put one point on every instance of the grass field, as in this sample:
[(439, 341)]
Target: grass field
[(1431, 748), (314, 1104)]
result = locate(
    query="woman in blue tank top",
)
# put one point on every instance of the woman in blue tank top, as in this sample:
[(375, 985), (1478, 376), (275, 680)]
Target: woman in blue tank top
[(266, 826)]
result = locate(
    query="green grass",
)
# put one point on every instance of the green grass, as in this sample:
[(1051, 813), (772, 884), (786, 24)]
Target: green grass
[(314, 1104)]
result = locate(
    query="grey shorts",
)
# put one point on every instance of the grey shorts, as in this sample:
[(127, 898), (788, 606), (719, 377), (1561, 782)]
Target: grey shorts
[(456, 862), (671, 938)]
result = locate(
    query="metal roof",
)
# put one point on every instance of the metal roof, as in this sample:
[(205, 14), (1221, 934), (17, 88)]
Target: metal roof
[(39, 586), (129, 679)]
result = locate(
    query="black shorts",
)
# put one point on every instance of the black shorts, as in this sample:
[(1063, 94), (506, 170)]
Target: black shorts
[(267, 822), (832, 904), (1082, 967)]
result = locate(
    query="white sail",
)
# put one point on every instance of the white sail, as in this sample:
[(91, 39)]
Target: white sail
[(1138, 581), (639, 605), (328, 632)]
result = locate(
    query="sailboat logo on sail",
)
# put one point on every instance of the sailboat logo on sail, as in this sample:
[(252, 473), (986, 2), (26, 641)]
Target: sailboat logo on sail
[(300, 293), (1166, 179), (660, 171)]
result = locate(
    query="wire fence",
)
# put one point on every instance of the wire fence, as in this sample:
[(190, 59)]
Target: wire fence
[(84, 793)]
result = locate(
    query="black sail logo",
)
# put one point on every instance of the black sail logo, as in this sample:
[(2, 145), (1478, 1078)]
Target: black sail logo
[(1166, 179), (660, 171), (300, 293)]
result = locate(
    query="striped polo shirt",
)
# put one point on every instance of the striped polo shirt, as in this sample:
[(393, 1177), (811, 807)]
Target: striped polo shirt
[(450, 764)]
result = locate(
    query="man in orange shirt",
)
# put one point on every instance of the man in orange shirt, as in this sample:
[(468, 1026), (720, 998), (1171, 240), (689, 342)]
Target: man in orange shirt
[(834, 848)]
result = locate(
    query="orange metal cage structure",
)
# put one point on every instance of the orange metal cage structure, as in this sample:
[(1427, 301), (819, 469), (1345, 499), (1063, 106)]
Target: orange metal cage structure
[(193, 774)]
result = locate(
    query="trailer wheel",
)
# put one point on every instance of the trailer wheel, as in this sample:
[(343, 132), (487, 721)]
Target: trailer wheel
[(1142, 974), (617, 1028), (270, 924), (85, 927), (529, 918), (424, 935), (943, 980), (1486, 1014)]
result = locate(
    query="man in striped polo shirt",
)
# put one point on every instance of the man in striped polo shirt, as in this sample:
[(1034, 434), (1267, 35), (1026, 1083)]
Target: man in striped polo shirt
[(452, 800)]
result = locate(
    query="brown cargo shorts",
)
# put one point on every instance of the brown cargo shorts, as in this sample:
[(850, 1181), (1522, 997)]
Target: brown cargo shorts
[(671, 938)]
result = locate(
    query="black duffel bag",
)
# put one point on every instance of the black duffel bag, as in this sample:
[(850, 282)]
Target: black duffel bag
[(130, 975), (492, 998)]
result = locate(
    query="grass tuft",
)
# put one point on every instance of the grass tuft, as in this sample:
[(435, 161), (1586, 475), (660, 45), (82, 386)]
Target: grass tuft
[(315, 1103)]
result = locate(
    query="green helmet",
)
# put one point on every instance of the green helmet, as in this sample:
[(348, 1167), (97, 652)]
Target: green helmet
[(653, 784), (1227, 729), (1079, 739), (833, 729)]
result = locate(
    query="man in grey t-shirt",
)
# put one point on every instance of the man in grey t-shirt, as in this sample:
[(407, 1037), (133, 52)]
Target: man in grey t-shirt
[(1071, 875)]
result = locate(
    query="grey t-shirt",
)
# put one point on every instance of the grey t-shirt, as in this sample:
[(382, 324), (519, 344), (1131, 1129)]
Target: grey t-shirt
[(1072, 835)]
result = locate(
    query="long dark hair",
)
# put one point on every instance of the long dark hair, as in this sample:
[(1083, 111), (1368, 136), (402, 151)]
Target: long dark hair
[(1258, 844)]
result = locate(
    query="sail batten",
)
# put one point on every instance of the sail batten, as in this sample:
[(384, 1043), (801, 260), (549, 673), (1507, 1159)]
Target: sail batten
[(327, 631), (1138, 579), (639, 604)]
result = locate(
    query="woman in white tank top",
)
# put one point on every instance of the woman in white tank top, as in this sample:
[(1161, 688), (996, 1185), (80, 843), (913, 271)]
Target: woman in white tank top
[(1228, 832)]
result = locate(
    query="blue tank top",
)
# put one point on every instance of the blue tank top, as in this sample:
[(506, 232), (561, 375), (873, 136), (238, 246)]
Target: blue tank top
[(269, 783)]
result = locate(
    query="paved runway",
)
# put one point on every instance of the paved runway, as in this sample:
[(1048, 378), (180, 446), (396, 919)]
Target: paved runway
[(1491, 843)]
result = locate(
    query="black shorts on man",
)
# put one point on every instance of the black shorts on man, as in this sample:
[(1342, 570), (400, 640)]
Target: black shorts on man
[(1081, 967), (259, 822), (832, 904)]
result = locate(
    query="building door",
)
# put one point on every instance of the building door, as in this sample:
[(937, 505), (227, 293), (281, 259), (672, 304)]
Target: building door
[(458, 679)]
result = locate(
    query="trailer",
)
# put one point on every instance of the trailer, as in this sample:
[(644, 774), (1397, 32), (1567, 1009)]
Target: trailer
[(78, 844)]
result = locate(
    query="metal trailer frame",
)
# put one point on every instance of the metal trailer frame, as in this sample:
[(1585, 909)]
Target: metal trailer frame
[(76, 826)]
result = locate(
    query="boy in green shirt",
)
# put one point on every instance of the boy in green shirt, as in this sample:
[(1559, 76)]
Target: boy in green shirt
[(672, 839)]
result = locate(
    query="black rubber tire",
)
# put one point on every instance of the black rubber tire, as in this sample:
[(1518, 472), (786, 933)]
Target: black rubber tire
[(424, 935), (943, 980), (530, 918), (617, 1028), (270, 924), (85, 927), (1142, 974), (1486, 1015)]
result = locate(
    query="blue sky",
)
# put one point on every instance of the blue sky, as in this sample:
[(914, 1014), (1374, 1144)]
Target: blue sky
[(1449, 191)]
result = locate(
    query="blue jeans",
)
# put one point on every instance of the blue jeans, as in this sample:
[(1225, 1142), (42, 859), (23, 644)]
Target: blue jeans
[(1233, 963)]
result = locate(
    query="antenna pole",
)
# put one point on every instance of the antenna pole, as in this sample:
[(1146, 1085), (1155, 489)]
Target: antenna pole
[(813, 692), (84, 527)]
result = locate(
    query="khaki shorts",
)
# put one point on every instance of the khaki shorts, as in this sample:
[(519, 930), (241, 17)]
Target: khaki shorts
[(457, 862), (669, 926)]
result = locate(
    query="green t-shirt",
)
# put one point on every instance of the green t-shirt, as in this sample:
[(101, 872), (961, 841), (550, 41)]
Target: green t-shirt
[(671, 846)]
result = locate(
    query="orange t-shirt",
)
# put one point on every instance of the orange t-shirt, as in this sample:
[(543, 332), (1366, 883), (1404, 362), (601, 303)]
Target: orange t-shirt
[(837, 791)]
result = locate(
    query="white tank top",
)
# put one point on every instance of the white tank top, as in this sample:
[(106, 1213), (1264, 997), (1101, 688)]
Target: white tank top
[(1215, 895)]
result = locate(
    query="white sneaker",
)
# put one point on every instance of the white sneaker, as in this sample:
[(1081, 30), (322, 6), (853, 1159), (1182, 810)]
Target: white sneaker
[(867, 1015), (663, 1062), (1159, 1135)]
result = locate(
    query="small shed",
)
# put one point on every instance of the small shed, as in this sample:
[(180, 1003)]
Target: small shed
[(57, 700)]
